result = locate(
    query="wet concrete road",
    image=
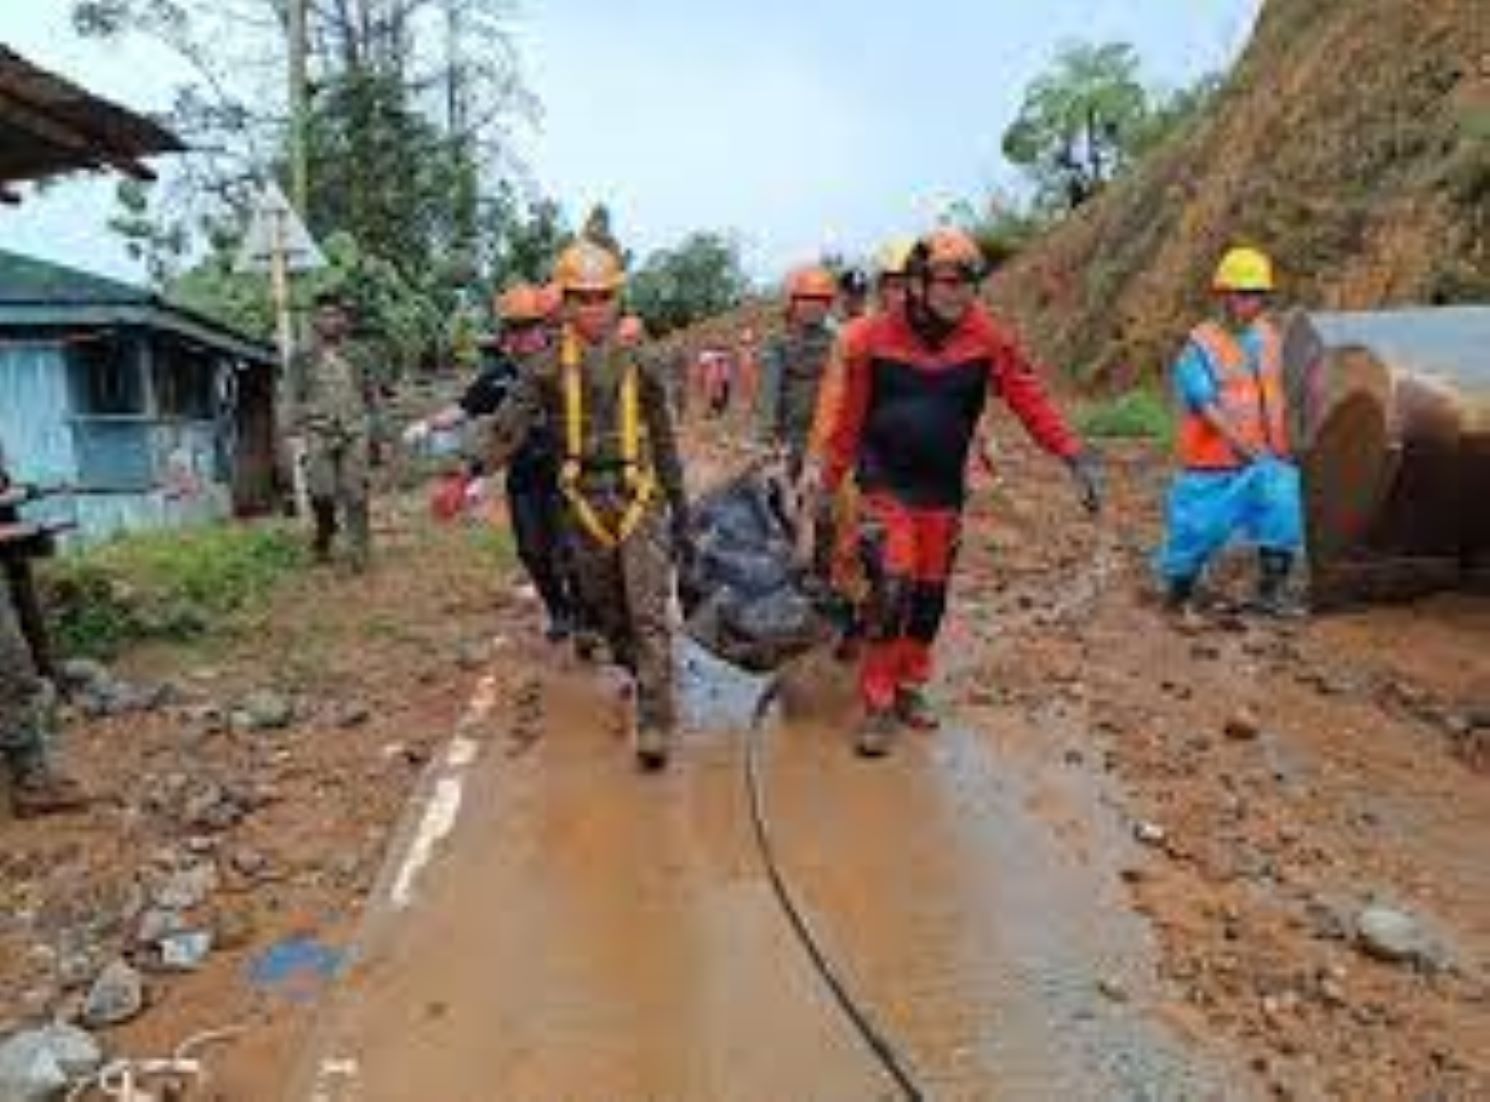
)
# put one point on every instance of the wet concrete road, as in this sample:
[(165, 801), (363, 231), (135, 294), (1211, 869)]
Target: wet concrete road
[(585, 932)]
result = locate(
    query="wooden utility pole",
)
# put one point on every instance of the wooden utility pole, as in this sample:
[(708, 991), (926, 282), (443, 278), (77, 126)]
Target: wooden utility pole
[(299, 169)]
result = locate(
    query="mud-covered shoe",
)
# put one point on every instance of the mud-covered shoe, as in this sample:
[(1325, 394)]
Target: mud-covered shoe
[(876, 734), (915, 711), (44, 791), (651, 748)]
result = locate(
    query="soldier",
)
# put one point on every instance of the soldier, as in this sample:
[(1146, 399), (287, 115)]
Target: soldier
[(793, 364), (36, 787), (621, 475), (329, 405)]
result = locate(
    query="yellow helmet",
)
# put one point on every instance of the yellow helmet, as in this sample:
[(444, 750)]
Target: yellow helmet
[(1244, 269), (586, 266), (895, 257)]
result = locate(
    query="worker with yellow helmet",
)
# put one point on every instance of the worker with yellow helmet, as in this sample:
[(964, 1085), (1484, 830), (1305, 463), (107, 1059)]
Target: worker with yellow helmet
[(620, 474), (1237, 479)]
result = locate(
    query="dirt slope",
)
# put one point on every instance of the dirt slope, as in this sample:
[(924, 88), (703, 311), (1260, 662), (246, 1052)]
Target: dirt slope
[(1352, 141)]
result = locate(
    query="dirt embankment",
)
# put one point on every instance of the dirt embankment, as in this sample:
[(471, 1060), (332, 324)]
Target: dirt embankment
[(1352, 141)]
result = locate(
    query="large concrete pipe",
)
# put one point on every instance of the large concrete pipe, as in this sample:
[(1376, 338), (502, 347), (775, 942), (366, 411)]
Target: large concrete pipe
[(1392, 414)]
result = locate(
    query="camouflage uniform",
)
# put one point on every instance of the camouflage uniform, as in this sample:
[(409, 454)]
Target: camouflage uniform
[(25, 699), (793, 365), (329, 403), (625, 588)]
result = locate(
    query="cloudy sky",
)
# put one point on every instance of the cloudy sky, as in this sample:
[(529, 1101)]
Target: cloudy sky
[(801, 126)]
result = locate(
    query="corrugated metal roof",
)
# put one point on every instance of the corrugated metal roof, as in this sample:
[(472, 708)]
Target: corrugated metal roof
[(49, 125), (37, 294)]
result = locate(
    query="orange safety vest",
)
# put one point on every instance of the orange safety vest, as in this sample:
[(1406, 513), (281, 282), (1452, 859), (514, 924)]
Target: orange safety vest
[(1250, 395)]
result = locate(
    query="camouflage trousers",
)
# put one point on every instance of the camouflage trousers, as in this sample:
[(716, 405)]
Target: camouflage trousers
[(625, 591), (26, 699), (336, 478)]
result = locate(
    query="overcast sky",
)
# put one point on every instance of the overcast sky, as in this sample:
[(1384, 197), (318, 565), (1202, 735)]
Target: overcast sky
[(802, 126)]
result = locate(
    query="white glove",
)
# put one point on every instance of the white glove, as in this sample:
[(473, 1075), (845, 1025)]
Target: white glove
[(416, 434), (477, 492)]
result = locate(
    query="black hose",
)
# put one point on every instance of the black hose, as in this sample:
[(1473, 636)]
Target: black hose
[(884, 1050)]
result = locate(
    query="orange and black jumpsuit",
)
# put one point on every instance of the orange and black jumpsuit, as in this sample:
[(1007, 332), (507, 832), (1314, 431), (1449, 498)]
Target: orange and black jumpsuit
[(908, 415)]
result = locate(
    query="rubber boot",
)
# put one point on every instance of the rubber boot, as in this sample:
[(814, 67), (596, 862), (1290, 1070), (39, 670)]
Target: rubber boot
[(324, 512), (1274, 568), (876, 734), (38, 789), (359, 536), (652, 745)]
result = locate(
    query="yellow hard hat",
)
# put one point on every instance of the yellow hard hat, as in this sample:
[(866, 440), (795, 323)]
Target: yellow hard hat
[(1244, 269), (895, 257), (586, 266)]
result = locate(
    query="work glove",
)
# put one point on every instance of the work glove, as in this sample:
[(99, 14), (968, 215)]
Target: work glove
[(476, 494), (416, 434), (1086, 471)]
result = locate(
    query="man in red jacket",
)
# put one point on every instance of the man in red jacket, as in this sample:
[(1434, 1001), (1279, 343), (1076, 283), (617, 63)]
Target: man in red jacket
[(916, 382)]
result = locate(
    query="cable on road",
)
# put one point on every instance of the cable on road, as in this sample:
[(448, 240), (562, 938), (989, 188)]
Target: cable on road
[(889, 1056)]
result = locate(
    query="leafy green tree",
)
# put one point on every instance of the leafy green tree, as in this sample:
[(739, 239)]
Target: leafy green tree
[(1078, 124), (700, 277), (520, 236)]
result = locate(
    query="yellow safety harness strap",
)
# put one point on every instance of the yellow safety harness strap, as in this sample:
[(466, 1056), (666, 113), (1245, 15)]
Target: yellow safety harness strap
[(637, 477)]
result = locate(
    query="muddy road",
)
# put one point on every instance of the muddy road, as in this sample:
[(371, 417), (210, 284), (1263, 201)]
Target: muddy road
[(1133, 865)]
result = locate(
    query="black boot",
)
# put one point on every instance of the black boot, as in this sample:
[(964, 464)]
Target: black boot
[(324, 512), (1274, 568), (1179, 595)]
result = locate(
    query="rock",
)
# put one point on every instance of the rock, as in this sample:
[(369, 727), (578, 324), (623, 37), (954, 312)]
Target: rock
[(208, 806), (84, 673), (234, 928), (264, 710), (1150, 834), (1113, 989), (37, 1065), (117, 995), (185, 952), (1392, 935), (186, 888), (474, 654), (157, 924), (1243, 726), (350, 715), (249, 863)]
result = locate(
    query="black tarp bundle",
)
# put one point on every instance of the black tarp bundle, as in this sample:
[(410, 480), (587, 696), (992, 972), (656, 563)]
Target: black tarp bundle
[(745, 596)]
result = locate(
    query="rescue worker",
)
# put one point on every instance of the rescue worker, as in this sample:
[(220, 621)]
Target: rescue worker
[(329, 405), (793, 364), (26, 707), (1237, 477), (621, 476), (916, 381), (534, 502), (834, 536), (853, 294)]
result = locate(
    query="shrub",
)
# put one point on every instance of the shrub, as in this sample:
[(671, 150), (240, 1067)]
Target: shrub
[(1141, 414), (164, 585)]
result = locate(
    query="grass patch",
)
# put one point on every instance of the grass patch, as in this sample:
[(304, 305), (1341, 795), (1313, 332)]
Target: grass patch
[(1141, 414), (173, 585), (496, 545)]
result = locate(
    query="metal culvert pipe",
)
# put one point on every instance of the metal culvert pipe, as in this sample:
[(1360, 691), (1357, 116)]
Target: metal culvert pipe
[(1392, 414)]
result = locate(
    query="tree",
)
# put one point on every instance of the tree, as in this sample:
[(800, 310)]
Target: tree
[(700, 277), (1076, 128)]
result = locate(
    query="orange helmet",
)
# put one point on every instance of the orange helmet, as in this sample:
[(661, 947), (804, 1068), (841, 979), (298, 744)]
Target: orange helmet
[(586, 266), (520, 304), (550, 297), (631, 330), (812, 281), (948, 247)]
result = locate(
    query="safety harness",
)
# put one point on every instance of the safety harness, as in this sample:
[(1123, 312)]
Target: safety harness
[(637, 477)]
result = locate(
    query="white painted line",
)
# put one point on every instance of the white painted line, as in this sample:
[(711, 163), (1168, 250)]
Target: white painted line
[(438, 821)]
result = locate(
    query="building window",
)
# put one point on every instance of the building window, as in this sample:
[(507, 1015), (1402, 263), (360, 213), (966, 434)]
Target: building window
[(185, 382), (110, 424), (105, 377)]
